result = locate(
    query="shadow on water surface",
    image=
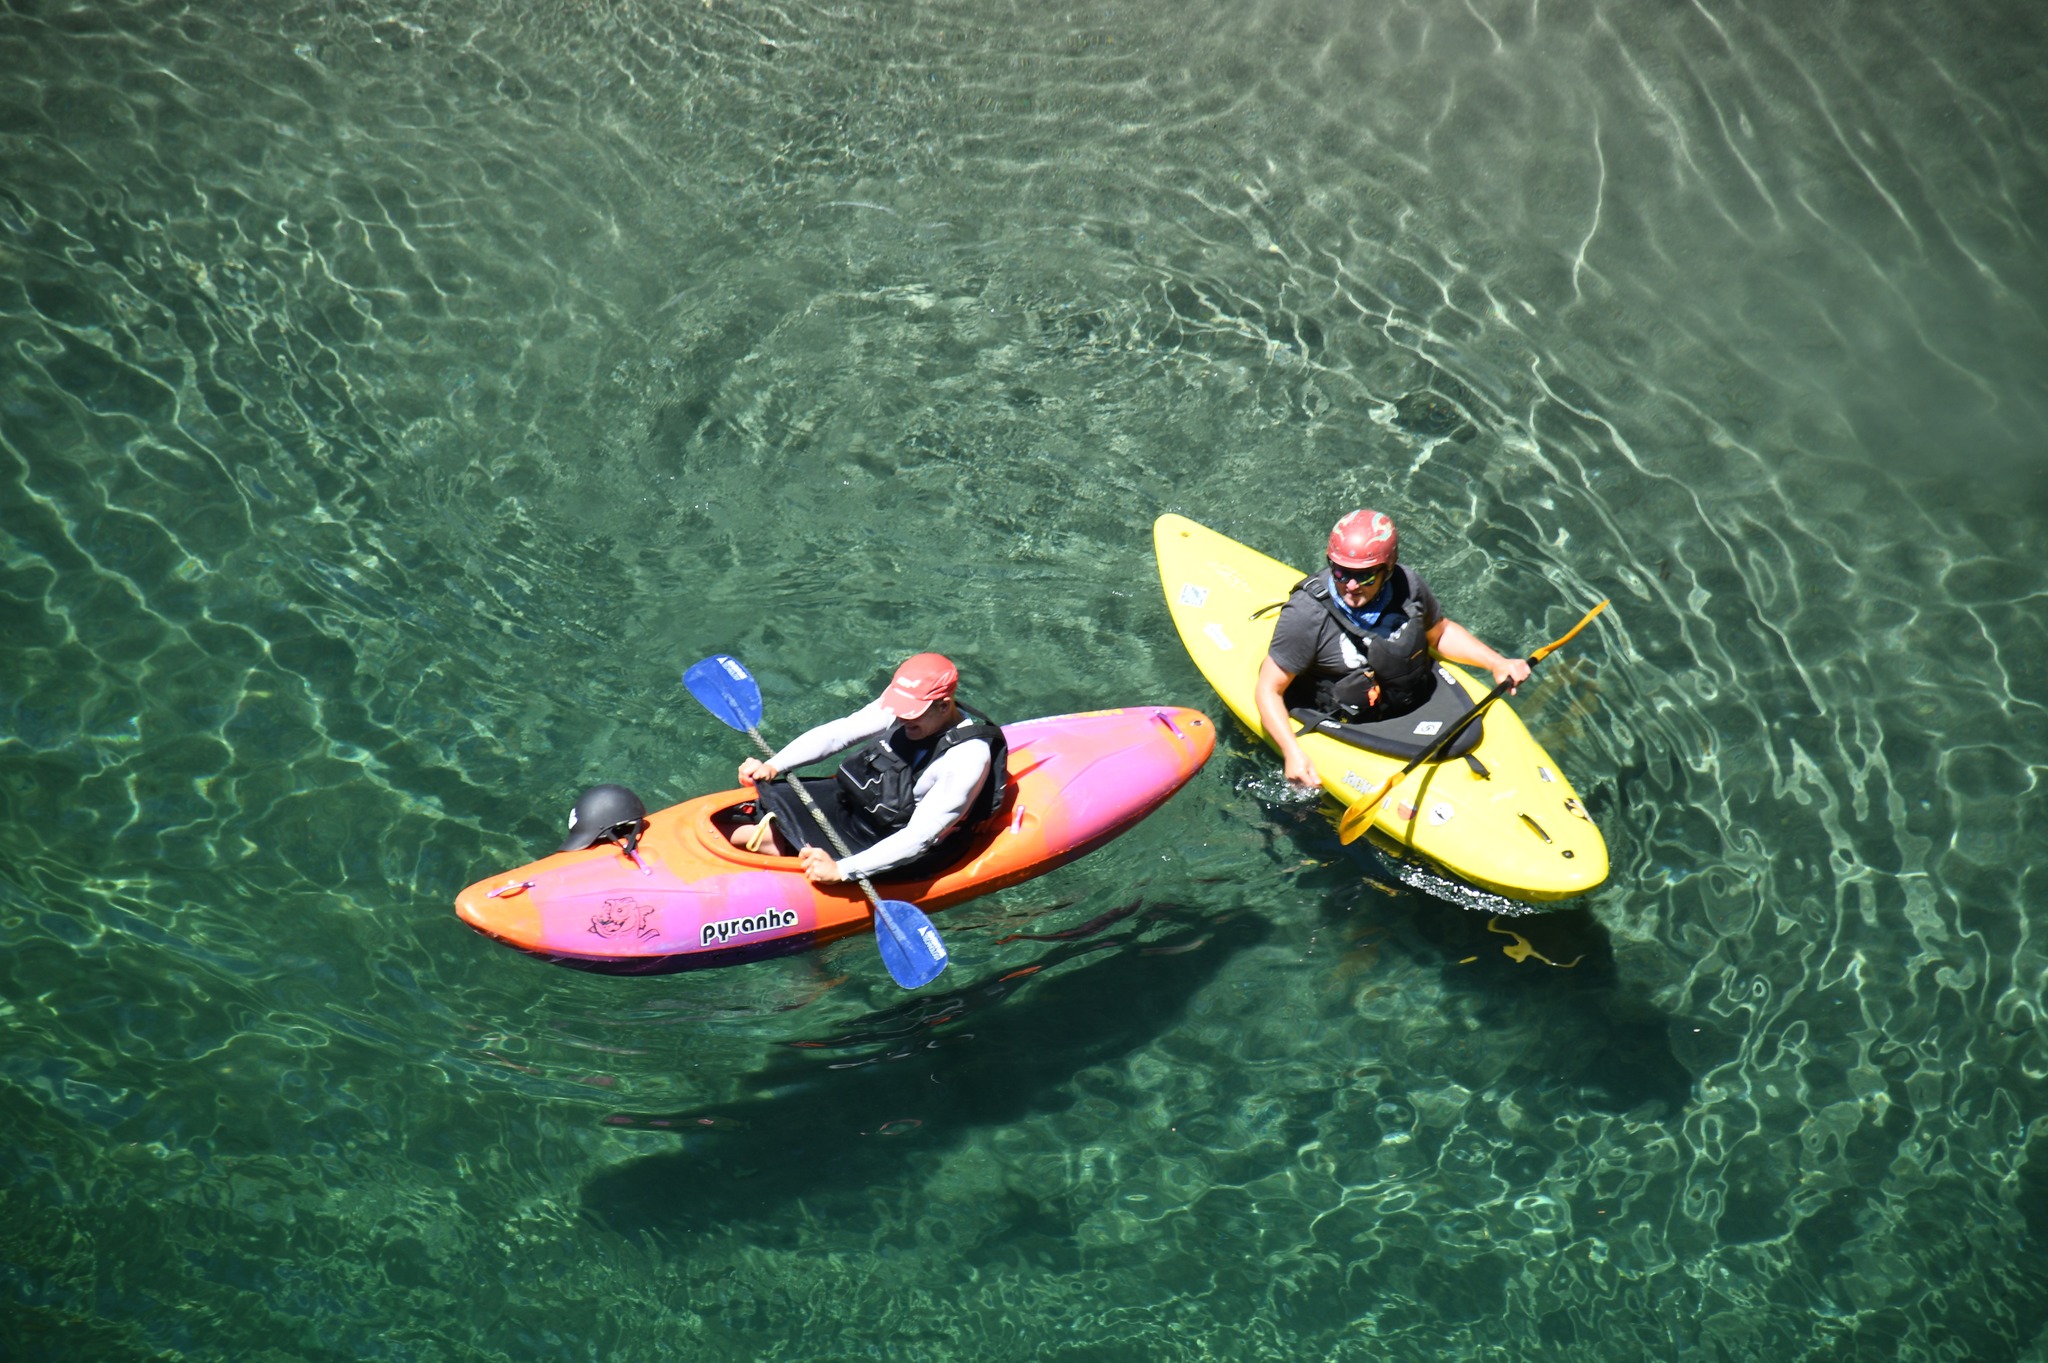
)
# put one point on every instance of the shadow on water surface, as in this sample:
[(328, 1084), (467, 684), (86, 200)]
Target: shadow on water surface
[(852, 1112), (1552, 978)]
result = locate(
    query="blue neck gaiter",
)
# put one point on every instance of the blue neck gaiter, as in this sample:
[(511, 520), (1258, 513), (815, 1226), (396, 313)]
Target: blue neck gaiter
[(1367, 616)]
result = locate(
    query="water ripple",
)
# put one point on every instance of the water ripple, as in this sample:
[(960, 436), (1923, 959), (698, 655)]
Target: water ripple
[(399, 397)]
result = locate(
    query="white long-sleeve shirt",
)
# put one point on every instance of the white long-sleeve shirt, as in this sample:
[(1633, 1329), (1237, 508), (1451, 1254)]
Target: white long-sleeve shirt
[(944, 790)]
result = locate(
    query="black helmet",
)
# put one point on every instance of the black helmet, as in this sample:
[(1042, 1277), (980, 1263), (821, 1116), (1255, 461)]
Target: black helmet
[(604, 812)]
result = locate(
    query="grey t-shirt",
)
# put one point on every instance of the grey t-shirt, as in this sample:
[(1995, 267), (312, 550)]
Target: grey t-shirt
[(1308, 643)]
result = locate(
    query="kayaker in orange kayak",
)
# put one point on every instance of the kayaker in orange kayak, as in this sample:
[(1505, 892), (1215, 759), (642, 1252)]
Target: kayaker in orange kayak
[(916, 788)]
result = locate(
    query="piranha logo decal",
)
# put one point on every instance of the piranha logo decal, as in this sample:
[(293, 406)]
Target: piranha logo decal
[(772, 921), (621, 918)]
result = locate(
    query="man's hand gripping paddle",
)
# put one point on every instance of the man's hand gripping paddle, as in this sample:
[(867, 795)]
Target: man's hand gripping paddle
[(910, 945), (1358, 817)]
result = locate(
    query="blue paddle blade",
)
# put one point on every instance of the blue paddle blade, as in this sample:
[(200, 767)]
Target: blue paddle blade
[(909, 944), (727, 690)]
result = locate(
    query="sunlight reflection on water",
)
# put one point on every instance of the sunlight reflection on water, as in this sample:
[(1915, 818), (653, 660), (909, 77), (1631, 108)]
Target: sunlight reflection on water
[(399, 402)]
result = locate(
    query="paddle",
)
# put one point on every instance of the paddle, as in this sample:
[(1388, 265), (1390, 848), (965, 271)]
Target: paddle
[(1359, 816), (909, 944)]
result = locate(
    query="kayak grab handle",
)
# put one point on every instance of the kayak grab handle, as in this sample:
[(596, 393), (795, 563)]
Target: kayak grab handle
[(1167, 720), (514, 888)]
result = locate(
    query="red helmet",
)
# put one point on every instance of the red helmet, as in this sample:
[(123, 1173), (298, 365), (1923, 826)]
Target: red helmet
[(1365, 539)]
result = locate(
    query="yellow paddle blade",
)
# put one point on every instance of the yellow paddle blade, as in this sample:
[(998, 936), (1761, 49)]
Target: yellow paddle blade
[(1555, 644), (1351, 827)]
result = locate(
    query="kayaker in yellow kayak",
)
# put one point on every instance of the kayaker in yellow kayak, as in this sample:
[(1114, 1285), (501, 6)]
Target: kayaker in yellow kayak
[(1355, 640), (918, 786)]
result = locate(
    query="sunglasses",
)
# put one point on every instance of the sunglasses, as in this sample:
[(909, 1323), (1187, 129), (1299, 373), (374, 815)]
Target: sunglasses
[(1367, 575)]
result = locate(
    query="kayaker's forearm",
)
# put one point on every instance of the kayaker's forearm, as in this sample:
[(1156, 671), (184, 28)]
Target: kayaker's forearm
[(832, 738), (1274, 719)]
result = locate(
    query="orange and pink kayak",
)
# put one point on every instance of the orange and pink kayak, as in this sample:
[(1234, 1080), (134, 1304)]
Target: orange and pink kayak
[(692, 899)]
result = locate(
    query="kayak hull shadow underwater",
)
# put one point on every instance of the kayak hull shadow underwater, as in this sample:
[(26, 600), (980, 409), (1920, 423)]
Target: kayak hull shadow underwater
[(843, 1120), (688, 899)]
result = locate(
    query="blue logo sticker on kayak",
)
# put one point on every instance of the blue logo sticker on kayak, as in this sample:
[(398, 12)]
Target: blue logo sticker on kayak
[(772, 921)]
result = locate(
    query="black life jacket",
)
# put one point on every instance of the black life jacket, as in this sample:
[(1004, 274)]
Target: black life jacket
[(881, 779), (1399, 663)]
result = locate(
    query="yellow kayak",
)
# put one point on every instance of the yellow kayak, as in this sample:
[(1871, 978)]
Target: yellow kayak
[(1502, 816)]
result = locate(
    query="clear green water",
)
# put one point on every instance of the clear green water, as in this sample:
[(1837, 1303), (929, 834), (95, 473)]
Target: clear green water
[(394, 400)]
